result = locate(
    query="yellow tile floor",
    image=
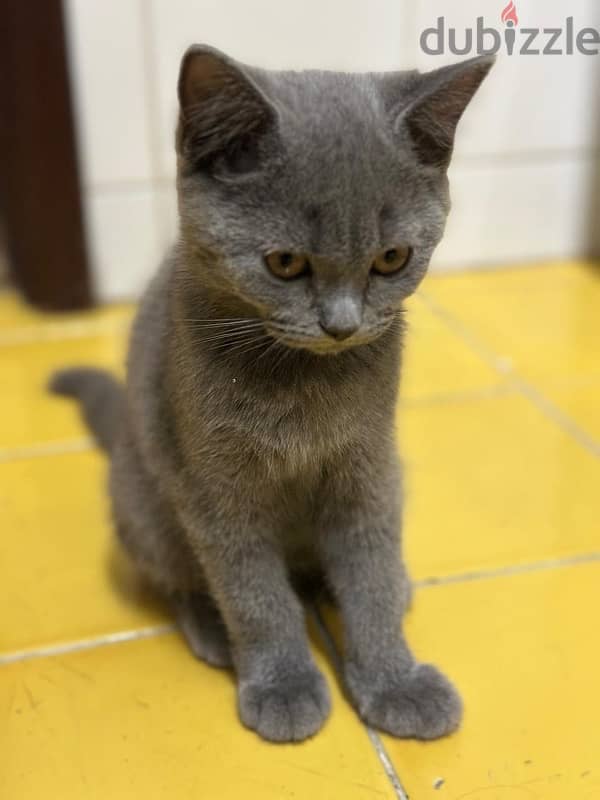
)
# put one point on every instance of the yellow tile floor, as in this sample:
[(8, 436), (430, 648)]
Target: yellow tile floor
[(500, 425)]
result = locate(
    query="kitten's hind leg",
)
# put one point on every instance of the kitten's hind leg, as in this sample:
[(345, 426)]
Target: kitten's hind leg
[(200, 622)]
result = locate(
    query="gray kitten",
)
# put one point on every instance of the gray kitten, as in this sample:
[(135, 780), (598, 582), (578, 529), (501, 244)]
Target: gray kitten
[(254, 445)]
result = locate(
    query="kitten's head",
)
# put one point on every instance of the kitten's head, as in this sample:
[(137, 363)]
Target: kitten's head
[(316, 198)]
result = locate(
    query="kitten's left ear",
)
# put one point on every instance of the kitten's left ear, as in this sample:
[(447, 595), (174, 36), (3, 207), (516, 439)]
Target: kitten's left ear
[(223, 112), (436, 102)]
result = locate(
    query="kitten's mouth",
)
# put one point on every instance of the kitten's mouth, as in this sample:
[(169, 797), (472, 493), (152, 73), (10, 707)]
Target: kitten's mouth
[(321, 345)]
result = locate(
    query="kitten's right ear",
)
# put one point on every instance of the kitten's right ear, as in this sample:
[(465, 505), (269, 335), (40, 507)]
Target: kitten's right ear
[(429, 105), (222, 110)]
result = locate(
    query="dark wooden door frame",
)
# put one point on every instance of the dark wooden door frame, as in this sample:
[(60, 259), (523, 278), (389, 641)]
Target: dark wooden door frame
[(40, 197)]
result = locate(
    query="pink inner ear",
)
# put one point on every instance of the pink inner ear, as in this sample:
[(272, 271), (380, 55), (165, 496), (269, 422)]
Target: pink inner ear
[(203, 73), (433, 117), (220, 106)]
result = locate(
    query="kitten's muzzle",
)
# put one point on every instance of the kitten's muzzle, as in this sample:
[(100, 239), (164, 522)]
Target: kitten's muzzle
[(321, 344)]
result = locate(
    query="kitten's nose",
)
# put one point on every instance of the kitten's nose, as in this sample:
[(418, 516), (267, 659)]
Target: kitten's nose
[(341, 317), (339, 332)]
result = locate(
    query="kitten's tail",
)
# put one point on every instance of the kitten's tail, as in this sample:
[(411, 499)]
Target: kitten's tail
[(101, 397)]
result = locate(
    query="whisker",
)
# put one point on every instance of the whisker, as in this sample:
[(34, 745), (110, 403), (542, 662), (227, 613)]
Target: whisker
[(234, 330), (285, 353), (232, 342), (249, 340), (279, 353), (225, 328), (229, 335), (242, 351), (273, 344), (221, 321), (231, 345)]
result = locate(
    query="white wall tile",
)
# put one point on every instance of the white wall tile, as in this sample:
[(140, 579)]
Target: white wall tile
[(517, 212), (126, 246), (326, 34), (107, 66), (528, 102)]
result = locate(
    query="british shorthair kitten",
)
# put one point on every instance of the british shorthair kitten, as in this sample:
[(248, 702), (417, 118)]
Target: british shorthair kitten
[(254, 441)]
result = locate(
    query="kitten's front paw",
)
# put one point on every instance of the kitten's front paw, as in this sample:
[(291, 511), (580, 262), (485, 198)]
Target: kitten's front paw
[(290, 710), (420, 703)]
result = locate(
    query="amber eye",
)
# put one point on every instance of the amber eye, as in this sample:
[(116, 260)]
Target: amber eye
[(287, 265), (393, 260)]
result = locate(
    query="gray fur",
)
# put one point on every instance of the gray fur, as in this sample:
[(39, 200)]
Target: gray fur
[(101, 399), (254, 448)]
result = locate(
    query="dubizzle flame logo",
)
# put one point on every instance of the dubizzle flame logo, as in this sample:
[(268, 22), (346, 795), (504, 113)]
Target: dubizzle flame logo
[(509, 14)]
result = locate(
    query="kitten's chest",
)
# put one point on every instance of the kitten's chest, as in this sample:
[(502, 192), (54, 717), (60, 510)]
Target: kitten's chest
[(291, 425), (295, 437)]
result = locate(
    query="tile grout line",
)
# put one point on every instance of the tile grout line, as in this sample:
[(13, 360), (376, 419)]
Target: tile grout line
[(459, 396), (63, 331), (373, 736), (498, 363), (160, 180), (80, 444), (504, 367), (553, 412), (386, 763), (55, 448), (149, 49), (162, 177), (516, 158), (486, 269), (422, 583), (87, 644), (513, 569)]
